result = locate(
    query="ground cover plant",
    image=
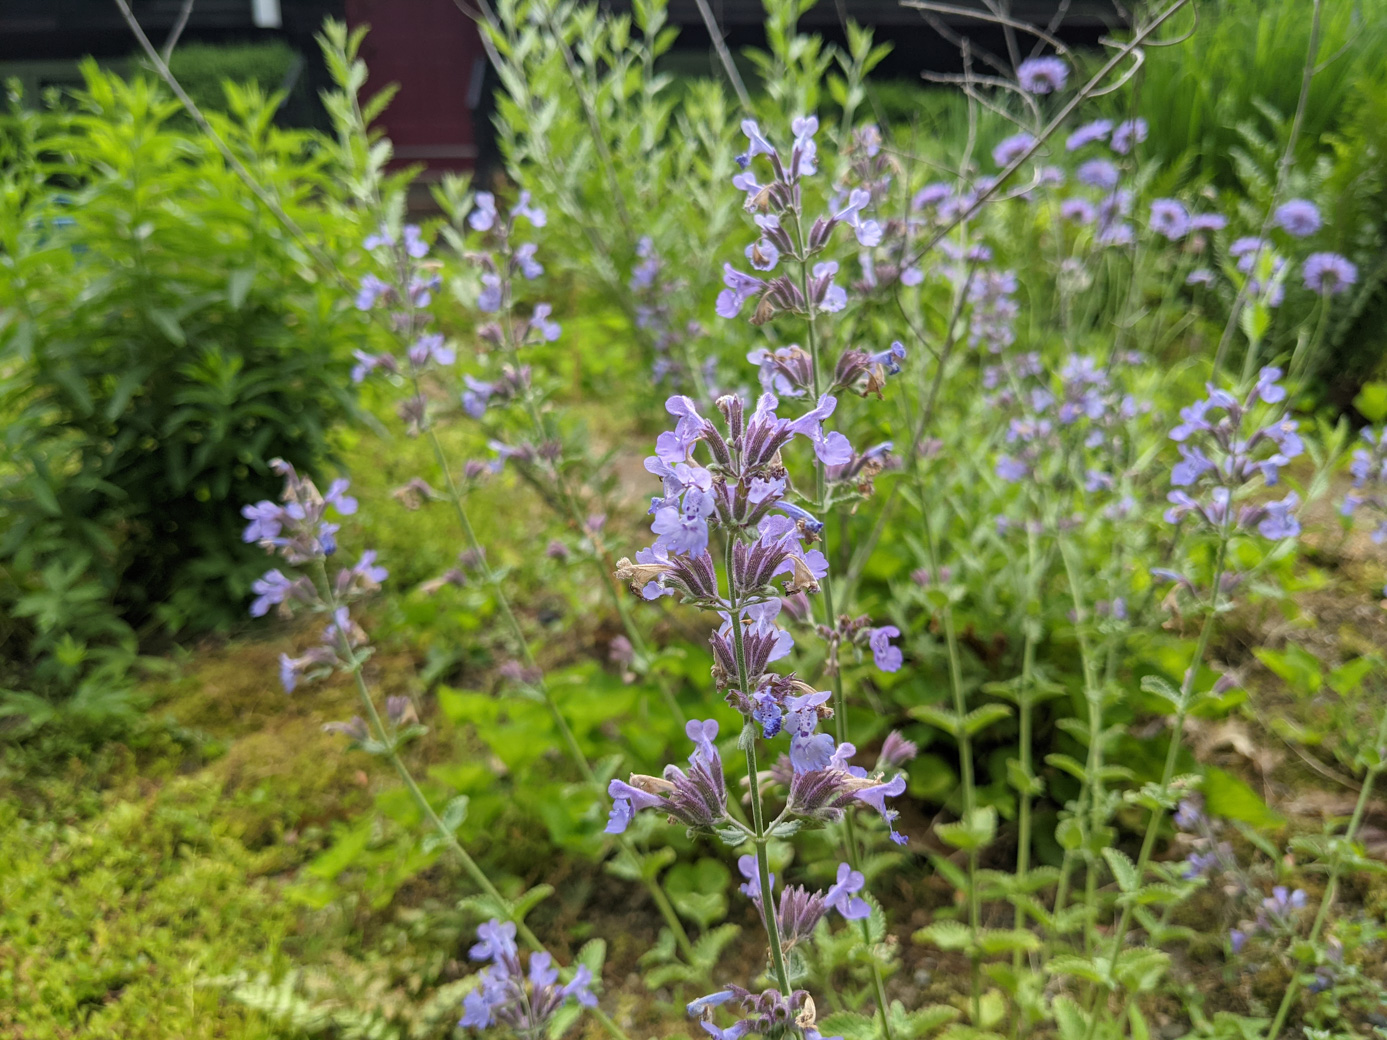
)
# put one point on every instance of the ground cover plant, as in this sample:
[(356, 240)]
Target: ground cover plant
[(783, 575)]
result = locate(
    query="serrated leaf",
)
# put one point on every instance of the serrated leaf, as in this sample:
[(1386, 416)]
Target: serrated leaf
[(1007, 940), (939, 718), (594, 955), (1123, 869), (849, 1025), (945, 935), (979, 719), (1070, 1018)]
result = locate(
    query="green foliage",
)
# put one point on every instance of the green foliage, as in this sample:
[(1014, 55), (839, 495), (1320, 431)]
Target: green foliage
[(202, 68), (1245, 54), (163, 339)]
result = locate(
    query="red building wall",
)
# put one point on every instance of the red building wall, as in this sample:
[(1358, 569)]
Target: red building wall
[(432, 50)]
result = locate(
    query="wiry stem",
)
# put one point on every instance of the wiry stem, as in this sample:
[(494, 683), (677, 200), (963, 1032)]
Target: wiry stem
[(1148, 842), (536, 679), (1332, 885), (469, 865)]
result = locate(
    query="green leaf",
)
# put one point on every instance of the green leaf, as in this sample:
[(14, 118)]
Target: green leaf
[(1347, 677), (1007, 940), (972, 832), (1070, 1018), (594, 955), (1158, 686), (1123, 869), (699, 890), (1371, 402), (1227, 796), (849, 1025), (1297, 667), (238, 284), (979, 719), (939, 718), (945, 935)]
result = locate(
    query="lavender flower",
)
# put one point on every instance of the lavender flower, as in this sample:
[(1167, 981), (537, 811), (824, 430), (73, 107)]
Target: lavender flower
[(1098, 173), (506, 995), (1010, 149), (1169, 218), (1042, 75), (1127, 134), (1218, 456), (887, 657), (1329, 273), (1098, 130), (1298, 217), (697, 798), (799, 910)]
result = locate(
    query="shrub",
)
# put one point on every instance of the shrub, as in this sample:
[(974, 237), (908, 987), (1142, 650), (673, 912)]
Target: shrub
[(165, 339)]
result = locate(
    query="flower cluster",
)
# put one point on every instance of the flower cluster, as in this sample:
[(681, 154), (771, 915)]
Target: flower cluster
[(654, 289), (406, 292), (698, 798), (800, 910), (769, 1013), (507, 995), (1210, 854), (1076, 417), (296, 528), (1044, 75), (1369, 471), (1277, 914), (778, 209), (1220, 456)]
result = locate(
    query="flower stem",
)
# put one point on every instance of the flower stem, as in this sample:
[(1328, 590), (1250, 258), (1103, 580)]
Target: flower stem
[(840, 709), (1024, 711), (1332, 886), (1148, 842), (469, 865), (758, 822), (965, 755), (1093, 767), (575, 752)]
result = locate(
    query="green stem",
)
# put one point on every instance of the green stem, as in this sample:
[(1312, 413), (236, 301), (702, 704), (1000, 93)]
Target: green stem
[(1148, 842), (469, 865), (1332, 886), (965, 759), (1024, 708), (1094, 763), (575, 752), (758, 819), (840, 710)]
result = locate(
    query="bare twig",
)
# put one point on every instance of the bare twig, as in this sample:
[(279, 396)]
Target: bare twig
[(725, 56), (237, 166), (1140, 37), (178, 26), (961, 42), (1002, 19)]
